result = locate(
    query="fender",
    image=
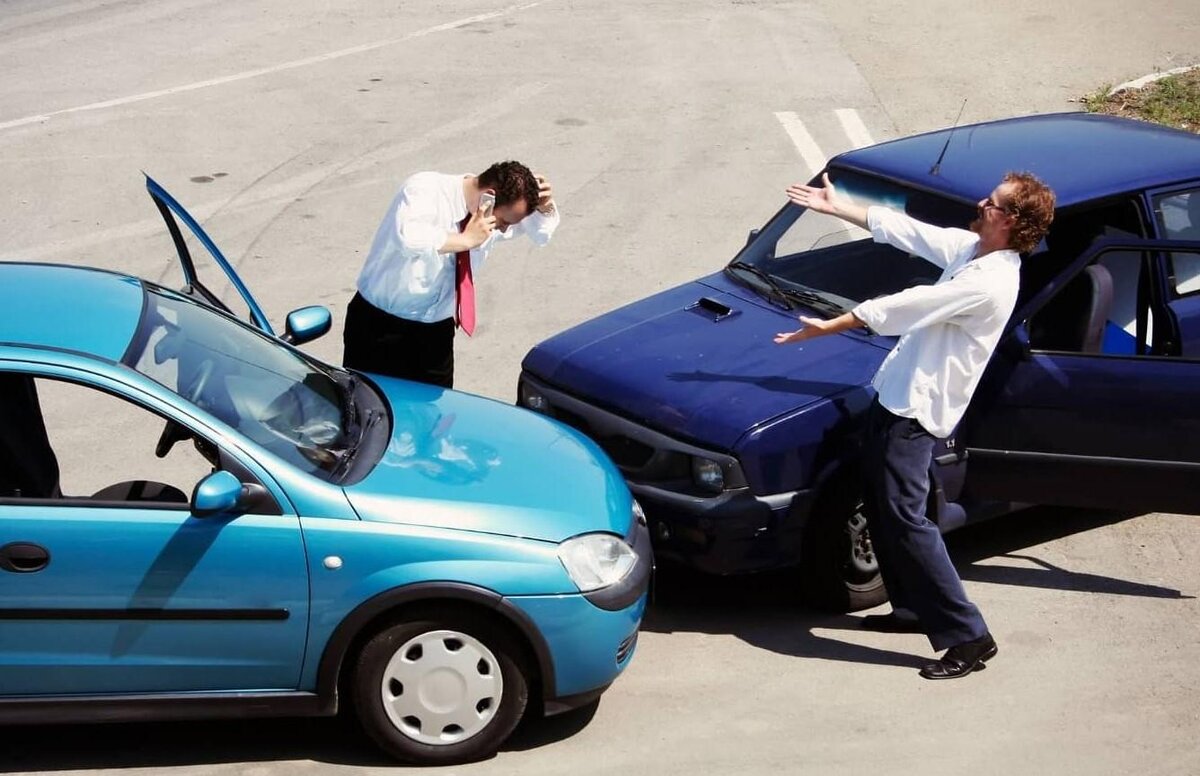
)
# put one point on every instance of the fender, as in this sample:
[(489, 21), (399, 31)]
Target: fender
[(351, 626)]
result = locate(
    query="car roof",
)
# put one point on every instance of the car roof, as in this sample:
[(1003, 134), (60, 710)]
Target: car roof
[(1081, 156), (79, 309)]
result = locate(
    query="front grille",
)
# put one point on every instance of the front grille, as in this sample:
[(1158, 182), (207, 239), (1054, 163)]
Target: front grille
[(625, 649), (626, 453)]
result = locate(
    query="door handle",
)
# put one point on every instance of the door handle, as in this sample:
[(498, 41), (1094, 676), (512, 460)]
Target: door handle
[(23, 557)]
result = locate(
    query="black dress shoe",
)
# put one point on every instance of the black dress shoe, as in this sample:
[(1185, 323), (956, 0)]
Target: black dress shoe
[(962, 659), (890, 623)]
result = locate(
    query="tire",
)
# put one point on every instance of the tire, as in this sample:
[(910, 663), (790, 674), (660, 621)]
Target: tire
[(839, 571), (440, 689)]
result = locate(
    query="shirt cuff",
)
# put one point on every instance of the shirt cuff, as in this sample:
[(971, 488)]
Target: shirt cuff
[(869, 314)]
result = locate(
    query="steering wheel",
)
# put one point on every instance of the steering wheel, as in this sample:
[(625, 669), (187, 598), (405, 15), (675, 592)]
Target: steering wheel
[(173, 432)]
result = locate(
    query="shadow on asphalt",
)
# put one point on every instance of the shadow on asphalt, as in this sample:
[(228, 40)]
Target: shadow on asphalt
[(762, 609), (765, 610), (336, 741)]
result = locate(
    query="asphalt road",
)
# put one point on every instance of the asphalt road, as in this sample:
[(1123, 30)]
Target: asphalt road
[(668, 129)]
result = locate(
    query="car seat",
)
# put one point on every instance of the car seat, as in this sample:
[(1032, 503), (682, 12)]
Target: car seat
[(1075, 318), (28, 466)]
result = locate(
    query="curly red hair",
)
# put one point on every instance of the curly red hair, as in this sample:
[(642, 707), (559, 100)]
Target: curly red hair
[(1031, 204)]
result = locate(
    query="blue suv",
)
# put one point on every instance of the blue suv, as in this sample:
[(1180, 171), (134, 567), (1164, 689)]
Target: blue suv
[(435, 561), (745, 454)]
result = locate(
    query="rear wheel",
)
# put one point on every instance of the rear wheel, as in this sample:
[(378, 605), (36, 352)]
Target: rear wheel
[(441, 689), (839, 570)]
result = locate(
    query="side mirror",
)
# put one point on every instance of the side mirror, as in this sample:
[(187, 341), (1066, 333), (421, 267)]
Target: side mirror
[(217, 493), (306, 324)]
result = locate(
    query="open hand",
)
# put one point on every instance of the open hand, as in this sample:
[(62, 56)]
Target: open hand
[(813, 327), (822, 200)]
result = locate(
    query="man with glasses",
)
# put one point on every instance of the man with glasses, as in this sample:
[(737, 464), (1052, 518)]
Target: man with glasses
[(947, 332)]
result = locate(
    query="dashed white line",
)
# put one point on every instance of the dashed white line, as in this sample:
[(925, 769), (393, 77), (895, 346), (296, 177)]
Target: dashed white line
[(810, 152), (247, 74), (854, 127)]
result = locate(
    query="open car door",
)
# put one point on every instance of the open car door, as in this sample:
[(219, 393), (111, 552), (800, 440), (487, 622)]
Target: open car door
[(1104, 419), (194, 286)]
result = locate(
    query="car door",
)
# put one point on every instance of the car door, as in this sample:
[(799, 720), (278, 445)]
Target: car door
[(110, 584), (1115, 428), (218, 272)]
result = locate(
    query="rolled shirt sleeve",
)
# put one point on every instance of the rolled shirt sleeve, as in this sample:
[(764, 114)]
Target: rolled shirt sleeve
[(936, 244), (416, 220), (539, 226), (922, 306)]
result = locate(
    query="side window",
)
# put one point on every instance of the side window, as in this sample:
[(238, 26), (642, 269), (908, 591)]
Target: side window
[(1104, 309), (81, 444), (1178, 216)]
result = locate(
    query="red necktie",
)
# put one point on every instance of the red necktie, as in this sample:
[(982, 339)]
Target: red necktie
[(465, 286)]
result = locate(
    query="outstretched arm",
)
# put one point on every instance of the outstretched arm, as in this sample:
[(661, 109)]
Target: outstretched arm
[(818, 327)]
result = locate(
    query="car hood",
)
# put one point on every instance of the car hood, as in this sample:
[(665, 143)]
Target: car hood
[(460, 461), (666, 363)]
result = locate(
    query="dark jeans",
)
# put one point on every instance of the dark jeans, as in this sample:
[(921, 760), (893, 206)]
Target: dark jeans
[(380, 343), (912, 557)]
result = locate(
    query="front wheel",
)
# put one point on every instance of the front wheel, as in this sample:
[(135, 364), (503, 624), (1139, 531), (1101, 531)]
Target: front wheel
[(839, 570), (440, 690)]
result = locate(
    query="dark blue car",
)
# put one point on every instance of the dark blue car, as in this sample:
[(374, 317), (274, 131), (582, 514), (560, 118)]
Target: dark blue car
[(745, 454)]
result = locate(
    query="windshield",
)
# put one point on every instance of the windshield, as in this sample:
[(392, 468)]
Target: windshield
[(268, 392), (810, 252)]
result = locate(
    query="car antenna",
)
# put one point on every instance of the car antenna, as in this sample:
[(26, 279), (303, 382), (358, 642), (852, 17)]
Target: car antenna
[(938, 164)]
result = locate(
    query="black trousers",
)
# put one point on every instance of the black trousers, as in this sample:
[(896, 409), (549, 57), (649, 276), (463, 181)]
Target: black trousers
[(912, 557), (378, 342)]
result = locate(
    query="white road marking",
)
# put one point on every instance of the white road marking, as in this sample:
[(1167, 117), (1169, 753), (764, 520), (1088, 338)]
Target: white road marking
[(855, 129), (810, 152), (248, 74)]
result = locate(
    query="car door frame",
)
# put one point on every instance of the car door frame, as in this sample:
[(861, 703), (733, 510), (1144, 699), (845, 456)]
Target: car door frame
[(1181, 305), (170, 209)]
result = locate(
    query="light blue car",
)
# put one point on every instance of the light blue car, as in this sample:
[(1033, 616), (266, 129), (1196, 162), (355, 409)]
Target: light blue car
[(437, 561)]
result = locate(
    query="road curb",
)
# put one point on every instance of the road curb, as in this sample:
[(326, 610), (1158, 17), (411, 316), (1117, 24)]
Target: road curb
[(1146, 80)]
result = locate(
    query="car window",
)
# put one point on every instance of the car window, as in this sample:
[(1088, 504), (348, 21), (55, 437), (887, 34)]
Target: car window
[(86, 446), (819, 252), (265, 390), (1178, 216)]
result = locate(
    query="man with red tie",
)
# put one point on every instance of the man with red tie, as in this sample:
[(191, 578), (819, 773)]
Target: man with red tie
[(417, 285)]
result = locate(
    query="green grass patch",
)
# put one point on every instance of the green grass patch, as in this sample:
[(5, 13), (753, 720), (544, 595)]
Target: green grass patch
[(1174, 101)]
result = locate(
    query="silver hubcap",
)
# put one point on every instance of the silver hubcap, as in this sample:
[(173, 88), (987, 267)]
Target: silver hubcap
[(442, 687)]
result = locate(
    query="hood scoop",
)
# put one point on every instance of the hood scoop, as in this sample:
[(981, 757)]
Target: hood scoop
[(711, 309)]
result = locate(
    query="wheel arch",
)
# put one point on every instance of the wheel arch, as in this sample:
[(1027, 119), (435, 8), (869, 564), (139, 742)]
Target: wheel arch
[(365, 619)]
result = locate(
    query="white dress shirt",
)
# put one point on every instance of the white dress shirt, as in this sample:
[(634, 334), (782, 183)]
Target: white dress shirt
[(404, 273), (949, 329)]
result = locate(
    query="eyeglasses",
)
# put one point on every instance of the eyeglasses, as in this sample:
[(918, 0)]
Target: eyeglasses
[(989, 202)]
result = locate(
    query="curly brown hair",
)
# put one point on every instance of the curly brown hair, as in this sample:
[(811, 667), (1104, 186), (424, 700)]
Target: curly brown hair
[(511, 181), (1031, 204)]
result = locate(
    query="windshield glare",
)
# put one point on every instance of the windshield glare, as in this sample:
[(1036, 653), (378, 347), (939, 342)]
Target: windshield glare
[(803, 249), (266, 391)]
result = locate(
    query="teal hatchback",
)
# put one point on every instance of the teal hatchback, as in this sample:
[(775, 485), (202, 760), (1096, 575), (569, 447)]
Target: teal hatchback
[(197, 519)]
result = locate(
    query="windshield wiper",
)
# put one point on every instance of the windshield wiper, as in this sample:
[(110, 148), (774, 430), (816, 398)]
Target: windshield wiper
[(805, 296), (778, 293), (343, 464), (351, 406), (813, 299)]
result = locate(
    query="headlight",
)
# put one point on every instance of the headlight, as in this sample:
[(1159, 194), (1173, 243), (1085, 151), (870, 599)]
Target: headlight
[(708, 474), (531, 398), (596, 560)]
